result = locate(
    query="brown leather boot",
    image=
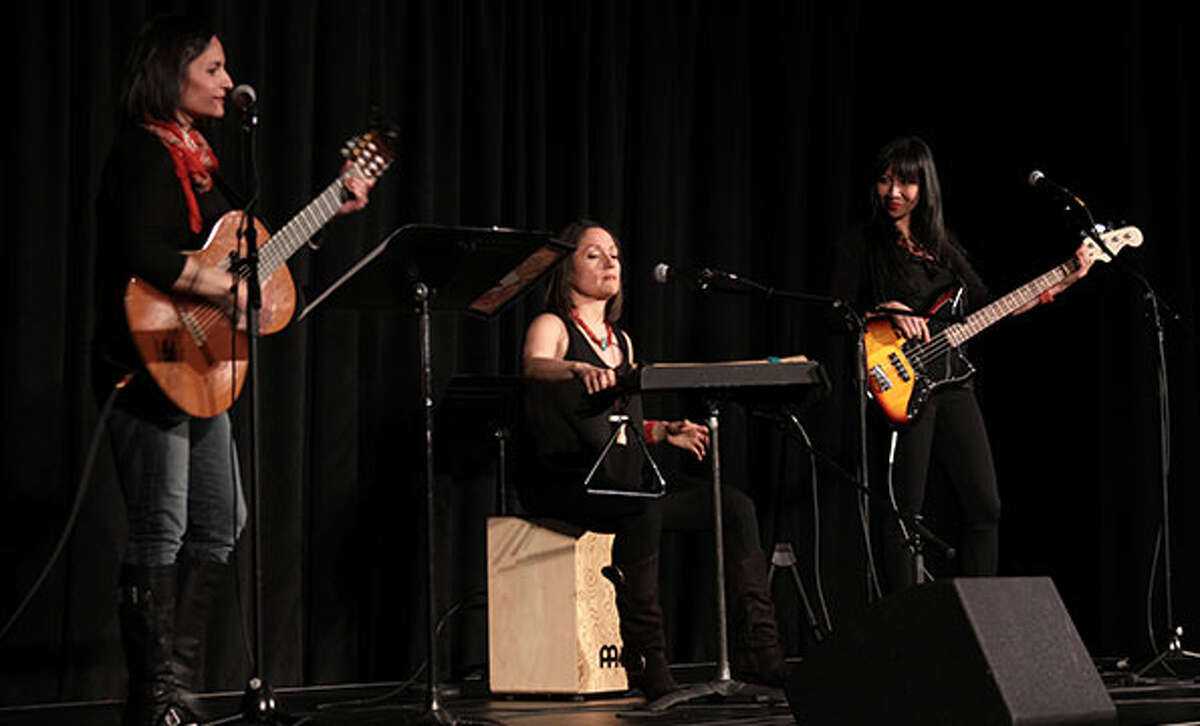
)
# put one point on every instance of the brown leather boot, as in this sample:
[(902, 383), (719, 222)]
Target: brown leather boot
[(757, 656), (644, 645)]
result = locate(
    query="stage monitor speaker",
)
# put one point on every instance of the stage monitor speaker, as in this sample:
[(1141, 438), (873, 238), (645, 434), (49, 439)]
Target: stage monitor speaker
[(971, 651)]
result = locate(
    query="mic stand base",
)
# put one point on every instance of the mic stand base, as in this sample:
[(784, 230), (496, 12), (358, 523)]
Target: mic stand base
[(1173, 652), (259, 705), (411, 716)]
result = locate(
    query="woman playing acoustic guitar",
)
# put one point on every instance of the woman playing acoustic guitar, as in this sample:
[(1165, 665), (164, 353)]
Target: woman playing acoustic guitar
[(160, 194)]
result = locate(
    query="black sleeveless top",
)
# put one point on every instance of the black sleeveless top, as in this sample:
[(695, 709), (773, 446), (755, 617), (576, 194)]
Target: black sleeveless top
[(565, 429)]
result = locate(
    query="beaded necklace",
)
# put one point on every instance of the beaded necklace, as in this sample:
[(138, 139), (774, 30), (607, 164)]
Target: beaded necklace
[(608, 334)]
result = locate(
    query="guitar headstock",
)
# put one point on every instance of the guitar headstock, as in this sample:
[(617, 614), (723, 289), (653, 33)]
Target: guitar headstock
[(1116, 240), (371, 152)]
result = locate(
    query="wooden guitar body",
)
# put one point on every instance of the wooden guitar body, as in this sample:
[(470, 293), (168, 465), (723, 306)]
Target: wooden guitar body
[(189, 346)]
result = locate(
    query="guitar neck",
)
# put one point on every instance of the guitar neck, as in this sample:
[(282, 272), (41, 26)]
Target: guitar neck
[(982, 319), (292, 236)]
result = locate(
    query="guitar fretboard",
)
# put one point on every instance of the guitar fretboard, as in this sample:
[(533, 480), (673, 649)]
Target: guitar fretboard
[(978, 321), (299, 230)]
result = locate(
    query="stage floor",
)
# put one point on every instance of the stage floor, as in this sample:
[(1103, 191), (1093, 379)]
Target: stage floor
[(1166, 701)]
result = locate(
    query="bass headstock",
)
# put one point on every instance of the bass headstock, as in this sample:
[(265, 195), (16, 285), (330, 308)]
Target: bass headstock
[(1116, 240)]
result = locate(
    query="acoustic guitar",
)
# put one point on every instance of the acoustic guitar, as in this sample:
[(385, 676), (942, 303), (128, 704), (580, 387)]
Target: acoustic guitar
[(191, 347), (902, 372)]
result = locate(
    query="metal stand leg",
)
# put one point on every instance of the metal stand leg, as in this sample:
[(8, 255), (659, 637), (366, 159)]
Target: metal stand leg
[(784, 557), (723, 685), (502, 436), (433, 713), (1173, 651)]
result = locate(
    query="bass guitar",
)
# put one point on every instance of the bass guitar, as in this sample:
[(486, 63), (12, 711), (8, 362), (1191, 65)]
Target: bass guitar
[(902, 373), (192, 348)]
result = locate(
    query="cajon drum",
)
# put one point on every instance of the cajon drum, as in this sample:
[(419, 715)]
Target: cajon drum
[(552, 617)]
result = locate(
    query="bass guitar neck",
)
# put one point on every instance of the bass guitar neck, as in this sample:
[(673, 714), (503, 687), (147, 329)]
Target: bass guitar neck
[(902, 372)]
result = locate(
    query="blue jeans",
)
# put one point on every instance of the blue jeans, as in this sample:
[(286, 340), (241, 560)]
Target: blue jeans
[(182, 490)]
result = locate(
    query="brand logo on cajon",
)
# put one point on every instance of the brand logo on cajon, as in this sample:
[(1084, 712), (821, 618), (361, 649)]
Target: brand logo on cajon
[(610, 656)]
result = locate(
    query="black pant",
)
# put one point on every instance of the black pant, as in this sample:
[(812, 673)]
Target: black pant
[(638, 523), (950, 432)]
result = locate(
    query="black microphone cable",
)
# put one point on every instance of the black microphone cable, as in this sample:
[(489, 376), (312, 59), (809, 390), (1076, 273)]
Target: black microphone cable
[(81, 492)]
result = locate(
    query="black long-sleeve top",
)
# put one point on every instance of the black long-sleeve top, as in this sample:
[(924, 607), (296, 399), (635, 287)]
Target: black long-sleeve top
[(143, 226), (916, 281)]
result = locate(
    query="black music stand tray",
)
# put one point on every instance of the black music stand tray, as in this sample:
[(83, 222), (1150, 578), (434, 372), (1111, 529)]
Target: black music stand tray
[(478, 270)]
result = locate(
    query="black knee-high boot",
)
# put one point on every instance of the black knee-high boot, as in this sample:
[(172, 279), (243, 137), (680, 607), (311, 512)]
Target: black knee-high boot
[(757, 656), (644, 651), (198, 584), (147, 617)]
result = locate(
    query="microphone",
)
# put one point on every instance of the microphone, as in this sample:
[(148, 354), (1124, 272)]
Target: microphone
[(1038, 179), (699, 276), (244, 97)]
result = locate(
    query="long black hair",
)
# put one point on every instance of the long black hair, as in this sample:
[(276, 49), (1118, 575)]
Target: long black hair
[(559, 284), (911, 161), (157, 66)]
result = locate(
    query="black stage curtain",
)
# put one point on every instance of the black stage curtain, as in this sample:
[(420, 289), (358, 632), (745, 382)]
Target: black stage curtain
[(737, 135)]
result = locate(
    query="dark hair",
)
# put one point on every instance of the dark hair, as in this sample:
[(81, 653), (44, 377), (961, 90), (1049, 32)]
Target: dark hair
[(157, 65), (911, 161), (559, 284)]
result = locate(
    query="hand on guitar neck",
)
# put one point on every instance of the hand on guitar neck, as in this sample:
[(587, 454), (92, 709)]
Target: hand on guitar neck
[(1083, 258), (357, 187)]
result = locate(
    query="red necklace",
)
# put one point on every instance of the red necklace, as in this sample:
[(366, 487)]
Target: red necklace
[(608, 334)]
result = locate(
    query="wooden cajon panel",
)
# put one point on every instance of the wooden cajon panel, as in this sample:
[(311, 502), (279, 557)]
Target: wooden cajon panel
[(552, 617)]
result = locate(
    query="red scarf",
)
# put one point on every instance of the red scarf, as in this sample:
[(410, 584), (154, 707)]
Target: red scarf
[(194, 160)]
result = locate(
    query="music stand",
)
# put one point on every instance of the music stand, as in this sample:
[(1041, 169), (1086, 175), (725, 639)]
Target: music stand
[(477, 270)]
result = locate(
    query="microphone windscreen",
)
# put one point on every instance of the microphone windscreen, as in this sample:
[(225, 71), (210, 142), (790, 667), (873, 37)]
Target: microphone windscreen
[(661, 273), (244, 95)]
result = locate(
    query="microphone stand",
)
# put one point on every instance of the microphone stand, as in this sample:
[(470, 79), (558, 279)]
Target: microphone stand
[(258, 700), (916, 535), (1175, 649)]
